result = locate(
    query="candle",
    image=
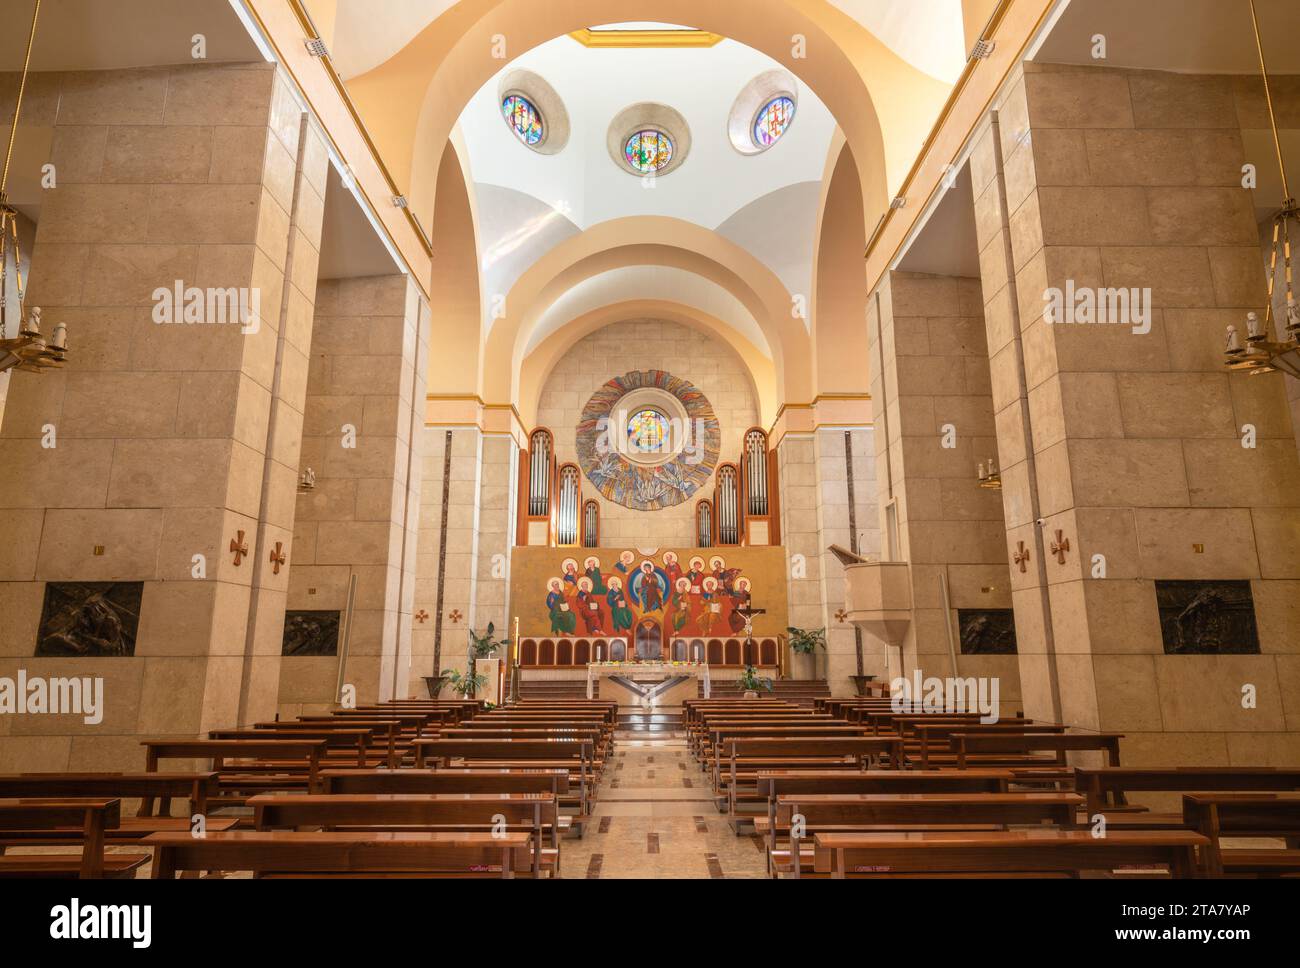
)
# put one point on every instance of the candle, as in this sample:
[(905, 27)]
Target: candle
[(60, 338), (1234, 341)]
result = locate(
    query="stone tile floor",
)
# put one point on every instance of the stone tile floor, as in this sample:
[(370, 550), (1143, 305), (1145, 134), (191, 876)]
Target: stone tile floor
[(655, 818)]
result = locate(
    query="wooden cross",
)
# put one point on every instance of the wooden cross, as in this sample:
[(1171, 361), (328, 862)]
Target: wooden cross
[(1060, 546), (422, 616), (238, 546), (747, 613), (1020, 556), (277, 559)]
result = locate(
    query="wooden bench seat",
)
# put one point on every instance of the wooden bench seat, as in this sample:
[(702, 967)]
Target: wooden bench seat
[(1247, 815), (863, 812), (90, 819), (320, 854), (535, 813), (941, 853)]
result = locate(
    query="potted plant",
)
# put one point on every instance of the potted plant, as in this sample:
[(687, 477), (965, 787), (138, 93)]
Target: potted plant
[(751, 682), (466, 684), (482, 646), (805, 643)]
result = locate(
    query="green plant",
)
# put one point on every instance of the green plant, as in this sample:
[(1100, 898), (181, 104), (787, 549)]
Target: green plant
[(806, 641), (751, 680), (466, 684), (482, 646)]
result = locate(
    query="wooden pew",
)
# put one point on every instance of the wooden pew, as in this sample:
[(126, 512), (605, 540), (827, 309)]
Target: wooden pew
[(930, 737), (774, 783), (862, 812), (1105, 788), (575, 755), (92, 818), (195, 788), (745, 757), (246, 763), (1038, 852), (535, 813), (1216, 815), (354, 742), (995, 749), (285, 854)]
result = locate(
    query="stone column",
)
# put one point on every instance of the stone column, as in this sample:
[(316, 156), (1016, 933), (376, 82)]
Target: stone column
[(1113, 180), (448, 554), (930, 379), (169, 440), (814, 504), (367, 349)]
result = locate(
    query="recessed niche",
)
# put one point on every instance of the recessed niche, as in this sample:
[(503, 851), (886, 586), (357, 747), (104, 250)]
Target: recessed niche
[(311, 633), (986, 631), (1207, 617), (91, 619)]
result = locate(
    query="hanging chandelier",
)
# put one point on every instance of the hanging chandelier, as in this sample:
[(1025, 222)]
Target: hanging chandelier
[(28, 350), (1260, 352)]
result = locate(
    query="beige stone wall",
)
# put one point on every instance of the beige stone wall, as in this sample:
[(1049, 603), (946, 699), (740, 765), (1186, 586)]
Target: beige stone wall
[(1133, 179), (648, 344), (363, 364), (930, 377), (26, 238), (170, 438), (814, 473), (471, 474)]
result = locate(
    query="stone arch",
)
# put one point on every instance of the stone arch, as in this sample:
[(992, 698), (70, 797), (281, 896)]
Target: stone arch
[(423, 88), (648, 240), (839, 303), (543, 358)]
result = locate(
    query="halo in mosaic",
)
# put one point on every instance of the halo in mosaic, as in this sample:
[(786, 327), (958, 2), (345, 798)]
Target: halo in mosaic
[(643, 487)]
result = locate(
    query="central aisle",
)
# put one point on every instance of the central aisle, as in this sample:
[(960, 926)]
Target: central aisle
[(655, 818)]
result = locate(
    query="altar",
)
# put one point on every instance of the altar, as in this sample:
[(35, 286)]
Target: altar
[(651, 681)]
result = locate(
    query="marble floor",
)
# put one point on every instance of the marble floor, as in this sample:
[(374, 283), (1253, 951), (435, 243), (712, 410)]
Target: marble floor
[(655, 818)]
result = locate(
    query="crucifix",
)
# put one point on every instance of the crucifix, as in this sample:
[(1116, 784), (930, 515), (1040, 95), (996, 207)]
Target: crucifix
[(1060, 546), (747, 612), (277, 559), (239, 547), (1020, 556)]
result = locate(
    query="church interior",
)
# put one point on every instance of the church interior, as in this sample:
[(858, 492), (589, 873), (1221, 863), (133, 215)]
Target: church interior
[(701, 439)]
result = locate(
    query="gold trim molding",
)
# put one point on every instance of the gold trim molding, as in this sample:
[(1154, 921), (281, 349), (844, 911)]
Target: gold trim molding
[(645, 38)]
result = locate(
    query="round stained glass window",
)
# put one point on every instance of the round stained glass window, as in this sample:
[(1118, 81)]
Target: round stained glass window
[(524, 119), (647, 431), (773, 120), (649, 151)]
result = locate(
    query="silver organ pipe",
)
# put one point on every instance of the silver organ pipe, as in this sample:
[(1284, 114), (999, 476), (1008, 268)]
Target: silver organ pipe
[(756, 462), (539, 475), (704, 521), (591, 524), (728, 509), (567, 526)]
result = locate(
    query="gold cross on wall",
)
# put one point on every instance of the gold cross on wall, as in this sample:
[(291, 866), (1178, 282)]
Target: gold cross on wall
[(1021, 556), (238, 546), (422, 616), (277, 559), (1060, 546)]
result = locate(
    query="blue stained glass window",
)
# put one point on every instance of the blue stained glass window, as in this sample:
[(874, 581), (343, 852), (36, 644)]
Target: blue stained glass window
[(524, 119), (648, 151), (773, 121)]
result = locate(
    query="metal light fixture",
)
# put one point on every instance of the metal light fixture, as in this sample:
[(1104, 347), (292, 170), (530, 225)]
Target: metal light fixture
[(990, 476), (29, 349), (1260, 353)]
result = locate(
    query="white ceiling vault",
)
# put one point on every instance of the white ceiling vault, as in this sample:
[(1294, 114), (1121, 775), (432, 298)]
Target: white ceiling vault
[(528, 202)]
